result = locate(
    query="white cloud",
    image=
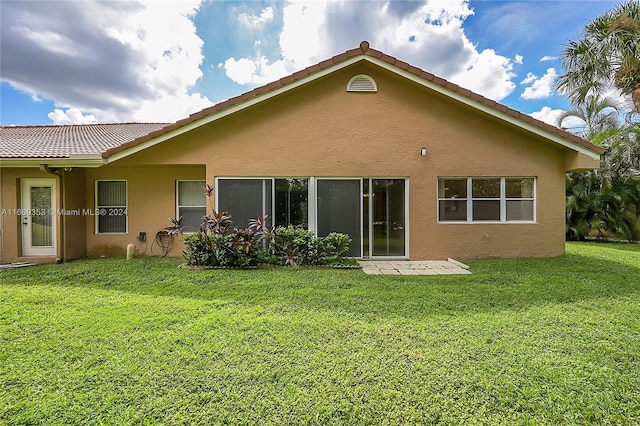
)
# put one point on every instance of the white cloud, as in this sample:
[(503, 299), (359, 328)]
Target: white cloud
[(542, 87), (427, 34), (548, 115), (70, 116), (551, 116), (548, 58), (241, 71), (518, 59), (530, 78), (255, 71), (116, 61), (253, 21), (488, 74), (303, 38), (49, 40), (297, 52), (171, 54)]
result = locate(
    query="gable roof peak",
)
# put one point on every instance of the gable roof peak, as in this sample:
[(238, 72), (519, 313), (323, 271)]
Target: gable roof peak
[(364, 46)]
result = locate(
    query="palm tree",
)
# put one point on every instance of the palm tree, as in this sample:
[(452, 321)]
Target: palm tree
[(608, 53), (606, 205), (623, 151), (607, 201), (597, 114)]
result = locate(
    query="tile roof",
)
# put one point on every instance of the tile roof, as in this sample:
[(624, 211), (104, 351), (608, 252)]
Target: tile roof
[(110, 139), (366, 50), (62, 141)]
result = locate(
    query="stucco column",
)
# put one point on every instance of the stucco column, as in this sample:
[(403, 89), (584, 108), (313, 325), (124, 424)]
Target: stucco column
[(210, 180)]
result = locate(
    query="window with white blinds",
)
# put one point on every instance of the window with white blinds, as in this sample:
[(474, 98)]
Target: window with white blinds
[(191, 203), (111, 207)]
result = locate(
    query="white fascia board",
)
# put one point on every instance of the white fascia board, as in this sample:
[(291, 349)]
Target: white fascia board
[(235, 108), (484, 108), (90, 162)]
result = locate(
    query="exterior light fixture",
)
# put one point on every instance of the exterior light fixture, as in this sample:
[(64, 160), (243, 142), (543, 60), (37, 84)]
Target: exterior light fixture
[(423, 151)]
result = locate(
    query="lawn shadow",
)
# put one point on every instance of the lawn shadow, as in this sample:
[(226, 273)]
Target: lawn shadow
[(494, 285)]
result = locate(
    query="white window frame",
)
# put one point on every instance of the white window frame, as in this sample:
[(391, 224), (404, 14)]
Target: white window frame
[(503, 200), (500, 199), (534, 199), (98, 207), (204, 183)]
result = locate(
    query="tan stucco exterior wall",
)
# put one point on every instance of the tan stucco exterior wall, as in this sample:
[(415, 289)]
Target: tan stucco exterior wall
[(10, 197), (73, 194), (151, 201), (321, 130)]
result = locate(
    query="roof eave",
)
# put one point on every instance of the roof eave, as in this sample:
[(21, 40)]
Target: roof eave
[(192, 122), (261, 94), (78, 160)]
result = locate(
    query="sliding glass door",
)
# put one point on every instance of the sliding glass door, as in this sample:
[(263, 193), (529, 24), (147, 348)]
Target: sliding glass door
[(372, 211), (244, 199), (292, 202), (338, 207), (387, 217), (384, 218)]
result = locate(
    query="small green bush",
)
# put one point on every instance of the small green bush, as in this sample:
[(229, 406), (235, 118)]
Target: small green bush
[(291, 246), (337, 245), (248, 247), (201, 249)]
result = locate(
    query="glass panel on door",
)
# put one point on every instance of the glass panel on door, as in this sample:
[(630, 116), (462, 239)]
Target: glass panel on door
[(388, 217), (244, 199), (338, 207), (41, 218), (292, 202)]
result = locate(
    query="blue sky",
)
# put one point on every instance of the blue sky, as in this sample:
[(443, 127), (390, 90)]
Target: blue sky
[(66, 62)]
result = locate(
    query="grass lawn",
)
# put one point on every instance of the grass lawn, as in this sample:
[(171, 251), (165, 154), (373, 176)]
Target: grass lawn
[(105, 341)]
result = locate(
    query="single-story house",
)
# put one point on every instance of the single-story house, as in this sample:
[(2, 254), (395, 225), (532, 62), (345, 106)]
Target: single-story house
[(408, 164)]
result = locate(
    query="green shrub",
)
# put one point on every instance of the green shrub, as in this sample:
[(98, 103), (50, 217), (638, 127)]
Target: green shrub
[(200, 249), (336, 245), (297, 246), (291, 245), (248, 247)]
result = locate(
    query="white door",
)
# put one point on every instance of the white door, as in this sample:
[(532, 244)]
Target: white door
[(38, 217)]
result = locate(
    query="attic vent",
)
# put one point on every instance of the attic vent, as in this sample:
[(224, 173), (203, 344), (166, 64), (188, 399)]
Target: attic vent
[(362, 83)]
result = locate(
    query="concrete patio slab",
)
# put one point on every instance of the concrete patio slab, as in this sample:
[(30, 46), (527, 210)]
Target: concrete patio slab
[(414, 267), (17, 265)]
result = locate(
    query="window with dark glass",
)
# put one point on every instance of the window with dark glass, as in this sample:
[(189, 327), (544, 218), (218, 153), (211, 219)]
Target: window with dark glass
[(244, 199), (485, 194), (292, 203), (339, 210), (520, 199), (486, 199), (452, 199)]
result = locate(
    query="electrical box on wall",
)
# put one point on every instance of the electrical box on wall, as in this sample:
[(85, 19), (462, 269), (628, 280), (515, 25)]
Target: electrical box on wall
[(142, 236)]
